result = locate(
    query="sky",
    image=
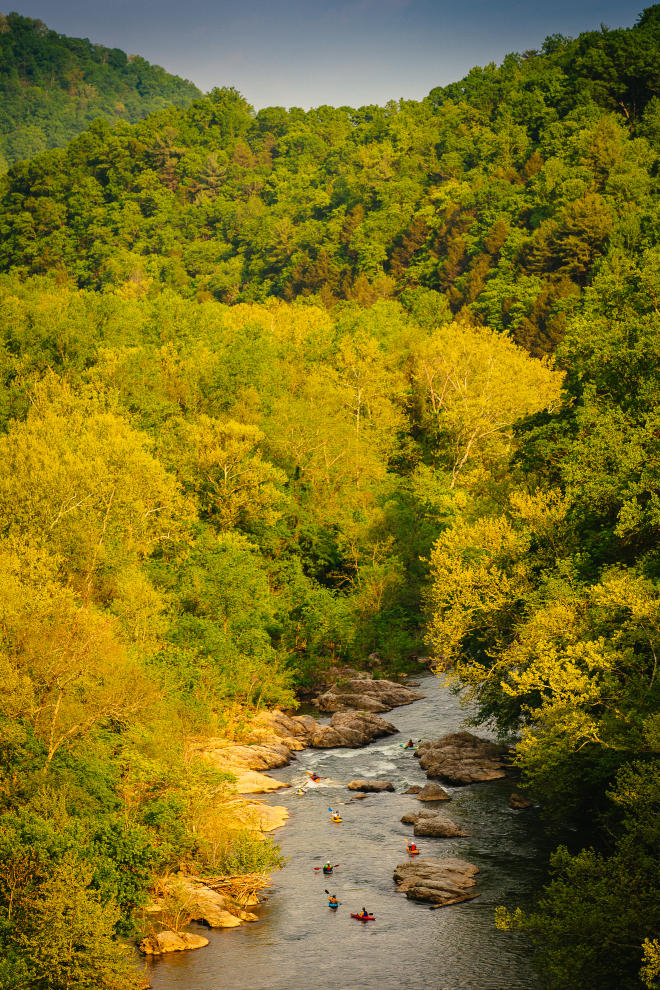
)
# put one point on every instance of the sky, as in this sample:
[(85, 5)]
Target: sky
[(309, 52)]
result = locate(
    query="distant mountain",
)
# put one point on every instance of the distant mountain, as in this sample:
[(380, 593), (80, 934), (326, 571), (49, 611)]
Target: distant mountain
[(52, 87)]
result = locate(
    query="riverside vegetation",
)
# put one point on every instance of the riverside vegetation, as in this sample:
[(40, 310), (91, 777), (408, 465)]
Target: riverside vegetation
[(278, 387)]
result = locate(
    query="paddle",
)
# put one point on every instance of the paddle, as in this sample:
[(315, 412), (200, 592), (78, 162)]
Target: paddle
[(330, 895)]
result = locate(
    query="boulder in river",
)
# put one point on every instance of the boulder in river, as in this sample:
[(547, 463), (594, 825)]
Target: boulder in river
[(437, 881), (158, 943), (415, 789), (432, 824), (432, 792), (371, 786), (519, 802), (462, 758), (366, 694), (437, 827), (351, 729)]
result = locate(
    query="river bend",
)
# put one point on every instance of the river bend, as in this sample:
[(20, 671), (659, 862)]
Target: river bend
[(299, 944)]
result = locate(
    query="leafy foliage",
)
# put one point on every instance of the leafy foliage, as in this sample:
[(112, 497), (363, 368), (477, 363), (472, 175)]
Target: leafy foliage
[(271, 384)]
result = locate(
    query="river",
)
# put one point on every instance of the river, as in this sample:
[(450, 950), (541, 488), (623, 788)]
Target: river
[(298, 943)]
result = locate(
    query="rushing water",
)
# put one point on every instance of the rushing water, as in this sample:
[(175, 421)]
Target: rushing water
[(298, 943)]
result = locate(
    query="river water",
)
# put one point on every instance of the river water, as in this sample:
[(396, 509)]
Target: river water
[(299, 944)]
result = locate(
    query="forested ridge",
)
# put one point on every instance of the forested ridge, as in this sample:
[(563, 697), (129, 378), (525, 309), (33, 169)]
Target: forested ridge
[(501, 192), (52, 87), (281, 389)]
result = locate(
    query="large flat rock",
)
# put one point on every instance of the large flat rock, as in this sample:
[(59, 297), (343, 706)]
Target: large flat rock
[(370, 786), (157, 944), (462, 758), (432, 792), (437, 881), (366, 694), (432, 824), (275, 726), (201, 903), (247, 763), (351, 729)]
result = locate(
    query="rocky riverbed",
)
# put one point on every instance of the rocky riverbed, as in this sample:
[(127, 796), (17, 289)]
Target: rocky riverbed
[(499, 844)]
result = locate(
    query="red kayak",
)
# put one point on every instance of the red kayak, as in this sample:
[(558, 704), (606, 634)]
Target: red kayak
[(362, 917)]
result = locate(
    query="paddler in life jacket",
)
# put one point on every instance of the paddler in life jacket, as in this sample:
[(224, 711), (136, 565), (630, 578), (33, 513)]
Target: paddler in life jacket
[(411, 847), (327, 867), (332, 901)]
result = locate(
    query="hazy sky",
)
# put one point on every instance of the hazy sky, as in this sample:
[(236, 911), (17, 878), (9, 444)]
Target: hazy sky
[(306, 52)]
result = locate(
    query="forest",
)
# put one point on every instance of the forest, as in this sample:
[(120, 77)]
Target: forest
[(52, 87), (284, 388)]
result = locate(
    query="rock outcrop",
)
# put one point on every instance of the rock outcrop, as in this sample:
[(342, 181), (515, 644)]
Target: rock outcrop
[(292, 730), (363, 693), (264, 817), (351, 729), (370, 786), (158, 943), (200, 903), (216, 910), (432, 792), (437, 881), (432, 824), (274, 740), (247, 763), (462, 758)]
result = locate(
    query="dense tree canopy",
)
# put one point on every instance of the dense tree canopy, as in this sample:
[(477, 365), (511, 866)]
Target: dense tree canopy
[(501, 193), (277, 391)]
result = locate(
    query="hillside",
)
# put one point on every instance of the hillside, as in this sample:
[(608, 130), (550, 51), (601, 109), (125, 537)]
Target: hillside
[(52, 87)]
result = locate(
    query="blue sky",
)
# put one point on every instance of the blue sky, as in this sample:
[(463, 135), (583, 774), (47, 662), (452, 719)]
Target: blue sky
[(305, 52)]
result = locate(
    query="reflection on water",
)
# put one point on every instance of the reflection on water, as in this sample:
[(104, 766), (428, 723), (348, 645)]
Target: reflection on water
[(299, 943)]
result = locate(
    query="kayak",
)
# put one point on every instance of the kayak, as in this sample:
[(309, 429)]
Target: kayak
[(327, 872), (361, 917), (336, 820), (413, 852), (333, 907)]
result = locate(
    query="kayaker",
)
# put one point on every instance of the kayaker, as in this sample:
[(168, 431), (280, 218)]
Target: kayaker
[(411, 847), (327, 868), (410, 744), (364, 913), (332, 901)]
